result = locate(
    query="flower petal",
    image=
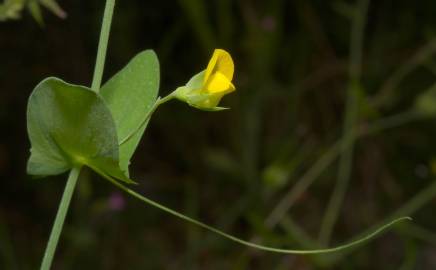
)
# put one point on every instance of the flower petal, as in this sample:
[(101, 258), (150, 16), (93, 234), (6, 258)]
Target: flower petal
[(221, 61), (218, 83)]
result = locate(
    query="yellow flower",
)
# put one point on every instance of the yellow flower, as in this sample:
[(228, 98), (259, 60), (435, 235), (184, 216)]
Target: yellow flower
[(205, 90)]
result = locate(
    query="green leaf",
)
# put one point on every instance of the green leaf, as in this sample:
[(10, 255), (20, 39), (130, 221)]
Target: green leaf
[(130, 95), (69, 126)]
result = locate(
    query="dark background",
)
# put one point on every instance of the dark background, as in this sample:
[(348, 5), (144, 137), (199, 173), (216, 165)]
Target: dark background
[(232, 168)]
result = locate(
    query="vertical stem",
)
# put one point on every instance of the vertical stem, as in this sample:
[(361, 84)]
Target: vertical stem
[(74, 174), (102, 45), (349, 130), (60, 218)]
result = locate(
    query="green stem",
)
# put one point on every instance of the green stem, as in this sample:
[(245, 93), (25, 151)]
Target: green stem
[(344, 171), (247, 243), (60, 218), (387, 91), (392, 121), (74, 174), (158, 102), (102, 45), (351, 114)]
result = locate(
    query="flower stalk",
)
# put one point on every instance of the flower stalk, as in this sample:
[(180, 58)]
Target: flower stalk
[(75, 172)]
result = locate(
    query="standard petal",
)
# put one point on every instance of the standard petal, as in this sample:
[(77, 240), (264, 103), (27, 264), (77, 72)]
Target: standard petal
[(225, 64), (210, 66), (221, 61)]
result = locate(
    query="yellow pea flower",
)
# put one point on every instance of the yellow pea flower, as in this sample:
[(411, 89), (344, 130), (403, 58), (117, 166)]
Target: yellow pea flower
[(205, 90)]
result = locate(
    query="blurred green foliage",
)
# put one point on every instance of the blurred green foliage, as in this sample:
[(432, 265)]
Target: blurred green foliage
[(233, 169), (12, 9)]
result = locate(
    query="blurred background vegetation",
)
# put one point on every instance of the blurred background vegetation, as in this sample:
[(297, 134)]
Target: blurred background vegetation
[(331, 132)]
